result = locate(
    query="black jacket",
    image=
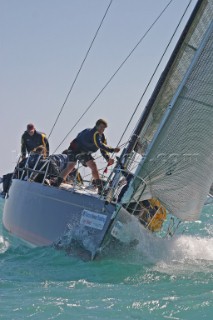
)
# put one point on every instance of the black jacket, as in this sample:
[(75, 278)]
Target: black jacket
[(28, 143)]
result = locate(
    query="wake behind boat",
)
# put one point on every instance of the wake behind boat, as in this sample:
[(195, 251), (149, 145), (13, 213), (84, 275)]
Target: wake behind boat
[(167, 164)]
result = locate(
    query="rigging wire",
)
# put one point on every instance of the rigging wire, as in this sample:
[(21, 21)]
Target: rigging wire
[(137, 106), (152, 76), (80, 68), (117, 70)]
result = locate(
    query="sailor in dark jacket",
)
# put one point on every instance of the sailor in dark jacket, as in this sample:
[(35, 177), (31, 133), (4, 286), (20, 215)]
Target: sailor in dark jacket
[(31, 139), (87, 142)]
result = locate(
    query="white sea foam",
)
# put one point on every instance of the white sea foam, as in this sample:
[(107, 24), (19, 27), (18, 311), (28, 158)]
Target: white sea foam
[(4, 245), (177, 255), (180, 249)]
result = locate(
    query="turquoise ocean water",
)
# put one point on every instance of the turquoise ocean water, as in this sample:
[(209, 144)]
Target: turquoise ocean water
[(159, 279)]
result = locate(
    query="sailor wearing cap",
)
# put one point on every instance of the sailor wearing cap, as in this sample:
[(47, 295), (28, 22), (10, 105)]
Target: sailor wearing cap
[(31, 139)]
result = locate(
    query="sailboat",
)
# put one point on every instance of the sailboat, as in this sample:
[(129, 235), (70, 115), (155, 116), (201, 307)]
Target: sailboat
[(167, 163)]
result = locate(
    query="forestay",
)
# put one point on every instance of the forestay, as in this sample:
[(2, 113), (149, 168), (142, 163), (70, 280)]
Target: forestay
[(178, 166)]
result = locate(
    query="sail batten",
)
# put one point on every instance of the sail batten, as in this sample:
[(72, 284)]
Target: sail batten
[(178, 166)]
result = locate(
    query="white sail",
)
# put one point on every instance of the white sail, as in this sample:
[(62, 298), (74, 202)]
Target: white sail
[(178, 166), (178, 65)]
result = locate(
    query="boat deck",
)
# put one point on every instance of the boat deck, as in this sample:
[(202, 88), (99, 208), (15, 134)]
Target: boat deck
[(79, 189)]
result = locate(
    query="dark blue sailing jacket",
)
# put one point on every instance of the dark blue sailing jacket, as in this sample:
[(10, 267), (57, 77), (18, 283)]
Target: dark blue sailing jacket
[(28, 142), (89, 141)]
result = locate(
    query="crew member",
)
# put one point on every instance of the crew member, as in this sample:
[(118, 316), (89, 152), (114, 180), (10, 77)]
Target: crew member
[(31, 139), (87, 142)]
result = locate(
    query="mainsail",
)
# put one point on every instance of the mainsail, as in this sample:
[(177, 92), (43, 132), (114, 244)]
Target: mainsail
[(178, 165), (174, 72)]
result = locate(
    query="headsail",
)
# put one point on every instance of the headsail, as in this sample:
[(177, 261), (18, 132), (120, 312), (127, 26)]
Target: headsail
[(178, 166)]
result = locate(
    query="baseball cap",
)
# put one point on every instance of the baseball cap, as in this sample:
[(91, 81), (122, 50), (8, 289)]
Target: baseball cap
[(30, 127)]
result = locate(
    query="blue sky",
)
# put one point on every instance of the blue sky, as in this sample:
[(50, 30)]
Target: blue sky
[(43, 43)]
